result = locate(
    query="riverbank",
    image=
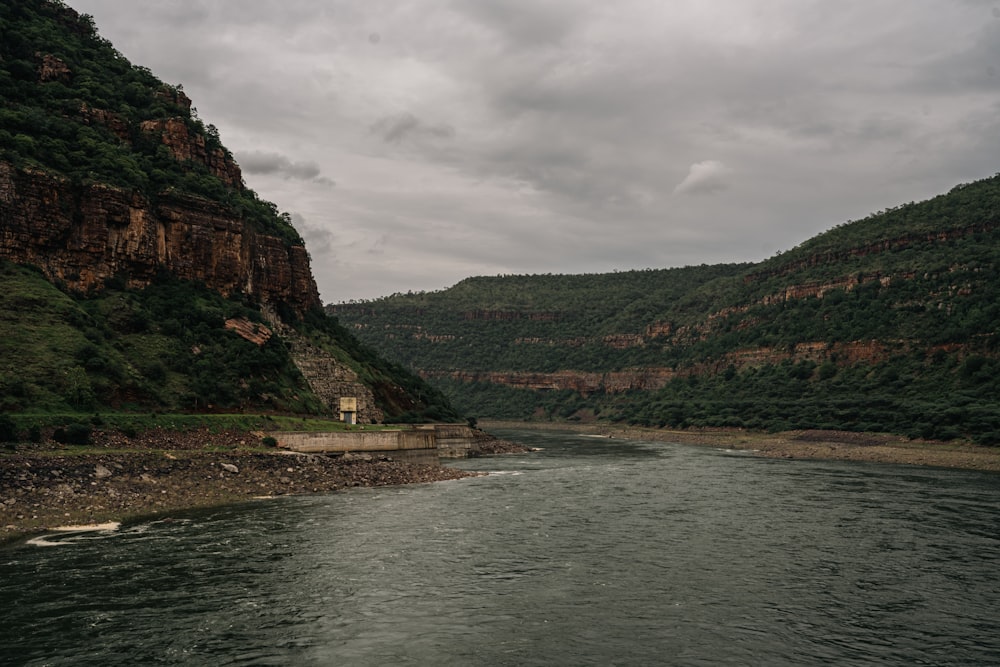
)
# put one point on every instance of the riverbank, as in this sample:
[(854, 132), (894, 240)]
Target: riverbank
[(158, 472), (809, 444)]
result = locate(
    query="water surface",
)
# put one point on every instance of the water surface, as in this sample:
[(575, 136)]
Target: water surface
[(591, 552)]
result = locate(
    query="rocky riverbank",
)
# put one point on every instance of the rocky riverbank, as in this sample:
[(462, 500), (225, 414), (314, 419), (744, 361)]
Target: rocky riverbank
[(45, 486), (807, 444)]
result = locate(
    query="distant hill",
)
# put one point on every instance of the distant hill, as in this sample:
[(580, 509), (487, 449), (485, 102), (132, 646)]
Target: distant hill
[(883, 324), (137, 270)]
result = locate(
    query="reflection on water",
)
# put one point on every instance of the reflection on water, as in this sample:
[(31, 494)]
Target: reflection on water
[(592, 551)]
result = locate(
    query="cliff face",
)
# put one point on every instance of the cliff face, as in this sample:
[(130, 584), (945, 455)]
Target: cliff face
[(184, 146), (896, 244), (655, 377), (83, 235), (108, 179)]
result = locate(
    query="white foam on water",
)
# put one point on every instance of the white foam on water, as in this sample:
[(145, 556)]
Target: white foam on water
[(67, 535), (89, 527)]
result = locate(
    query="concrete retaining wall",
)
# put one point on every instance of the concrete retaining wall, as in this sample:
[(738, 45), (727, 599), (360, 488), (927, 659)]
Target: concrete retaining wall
[(412, 445), (355, 441), (455, 441), (423, 443)]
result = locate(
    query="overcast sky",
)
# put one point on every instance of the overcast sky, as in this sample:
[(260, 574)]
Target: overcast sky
[(418, 143)]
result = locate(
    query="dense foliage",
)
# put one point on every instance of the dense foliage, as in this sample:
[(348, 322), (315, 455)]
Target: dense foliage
[(538, 323), (84, 122), (883, 324), (166, 348), (73, 107), (402, 395)]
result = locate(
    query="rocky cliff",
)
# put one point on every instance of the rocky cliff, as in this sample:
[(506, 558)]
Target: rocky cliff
[(120, 195), (107, 171), (83, 235)]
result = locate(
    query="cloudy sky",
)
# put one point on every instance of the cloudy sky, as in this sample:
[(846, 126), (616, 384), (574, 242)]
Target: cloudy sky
[(419, 142)]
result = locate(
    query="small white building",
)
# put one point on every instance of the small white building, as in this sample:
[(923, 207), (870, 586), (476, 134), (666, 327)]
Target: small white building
[(349, 410)]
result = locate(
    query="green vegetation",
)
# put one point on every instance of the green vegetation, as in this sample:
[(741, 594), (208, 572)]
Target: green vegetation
[(403, 396), (883, 324), (73, 107), (83, 119), (77, 428), (904, 395), (537, 323), (165, 347)]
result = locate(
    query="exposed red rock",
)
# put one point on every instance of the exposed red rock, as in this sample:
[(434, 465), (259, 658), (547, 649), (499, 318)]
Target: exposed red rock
[(186, 146), (118, 125), (51, 68), (885, 245), (583, 382), (652, 378), (251, 331), (83, 235), (623, 341)]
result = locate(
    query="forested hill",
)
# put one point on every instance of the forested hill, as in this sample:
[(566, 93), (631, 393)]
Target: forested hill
[(137, 270), (883, 324)]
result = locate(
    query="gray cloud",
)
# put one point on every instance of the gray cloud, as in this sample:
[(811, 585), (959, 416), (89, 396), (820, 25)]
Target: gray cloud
[(525, 23), (319, 240), (574, 135), (259, 162), (397, 128), (704, 177)]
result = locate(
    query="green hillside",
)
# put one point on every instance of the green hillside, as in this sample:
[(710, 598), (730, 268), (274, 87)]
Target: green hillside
[(164, 347), (481, 323), (78, 121), (882, 324), (167, 348), (71, 104)]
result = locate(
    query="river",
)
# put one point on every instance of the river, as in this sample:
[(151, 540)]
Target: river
[(591, 552)]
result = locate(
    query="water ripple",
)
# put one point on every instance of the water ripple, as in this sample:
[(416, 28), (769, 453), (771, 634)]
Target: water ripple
[(592, 552)]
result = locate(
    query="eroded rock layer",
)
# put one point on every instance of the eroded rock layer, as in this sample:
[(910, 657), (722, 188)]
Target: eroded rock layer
[(84, 235)]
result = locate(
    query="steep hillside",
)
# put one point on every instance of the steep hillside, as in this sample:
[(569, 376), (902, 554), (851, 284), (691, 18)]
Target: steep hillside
[(158, 279), (107, 171), (887, 323)]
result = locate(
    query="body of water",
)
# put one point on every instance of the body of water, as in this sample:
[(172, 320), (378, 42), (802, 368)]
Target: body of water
[(591, 552)]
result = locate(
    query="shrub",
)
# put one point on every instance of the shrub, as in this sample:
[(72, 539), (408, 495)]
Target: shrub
[(269, 442), (73, 434), (8, 429)]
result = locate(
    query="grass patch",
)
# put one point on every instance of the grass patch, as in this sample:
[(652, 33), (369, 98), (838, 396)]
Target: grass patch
[(135, 424)]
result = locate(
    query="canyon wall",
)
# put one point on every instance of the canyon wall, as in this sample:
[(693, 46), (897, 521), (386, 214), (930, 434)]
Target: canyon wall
[(83, 235)]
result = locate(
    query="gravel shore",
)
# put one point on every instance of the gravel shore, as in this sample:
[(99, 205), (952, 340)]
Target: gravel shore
[(807, 444), (45, 486)]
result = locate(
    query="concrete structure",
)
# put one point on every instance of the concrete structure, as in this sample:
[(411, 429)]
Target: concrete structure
[(455, 441), (411, 445), (348, 410), (425, 443)]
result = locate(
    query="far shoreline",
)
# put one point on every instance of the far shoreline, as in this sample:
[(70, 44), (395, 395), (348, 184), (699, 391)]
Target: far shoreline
[(800, 444)]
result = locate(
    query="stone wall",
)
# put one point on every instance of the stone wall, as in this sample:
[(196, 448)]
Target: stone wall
[(329, 378), (452, 441), (456, 441), (411, 445)]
